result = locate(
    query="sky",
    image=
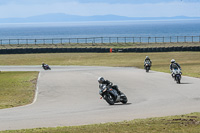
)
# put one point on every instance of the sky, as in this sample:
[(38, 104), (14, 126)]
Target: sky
[(128, 8)]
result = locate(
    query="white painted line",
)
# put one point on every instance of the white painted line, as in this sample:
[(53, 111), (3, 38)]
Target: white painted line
[(36, 94), (36, 91)]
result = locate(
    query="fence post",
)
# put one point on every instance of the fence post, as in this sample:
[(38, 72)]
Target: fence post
[(77, 40), (163, 39), (101, 39), (69, 41), (9, 41), (1, 42), (133, 39), (199, 38), (125, 39), (109, 40), (140, 39), (184, 39), (177, 39), (192, 38), (94, 39), (117, 39), (155, 40), (61, 41)]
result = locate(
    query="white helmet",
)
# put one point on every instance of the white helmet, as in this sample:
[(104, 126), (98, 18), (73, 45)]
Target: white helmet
[(100, 79), (147, 57), (172, 61)]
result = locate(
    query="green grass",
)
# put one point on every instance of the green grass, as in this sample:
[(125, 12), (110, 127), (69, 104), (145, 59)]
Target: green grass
[(17, 88), (174, 124), (189, 61)]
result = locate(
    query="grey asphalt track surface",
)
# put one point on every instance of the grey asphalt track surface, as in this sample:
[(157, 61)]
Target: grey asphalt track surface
[(68, 95)]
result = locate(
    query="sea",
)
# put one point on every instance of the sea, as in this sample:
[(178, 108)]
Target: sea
[(158, 28)]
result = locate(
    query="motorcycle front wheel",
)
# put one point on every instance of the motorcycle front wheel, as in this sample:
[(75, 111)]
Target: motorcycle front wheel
[(109, 99), (147, 69), (178, 80)]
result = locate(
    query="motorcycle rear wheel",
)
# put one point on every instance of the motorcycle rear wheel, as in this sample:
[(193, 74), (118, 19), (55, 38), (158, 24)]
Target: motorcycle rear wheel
[(125, 100)]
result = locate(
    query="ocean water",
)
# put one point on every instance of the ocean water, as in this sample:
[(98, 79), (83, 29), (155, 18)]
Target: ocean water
[(102, 29)]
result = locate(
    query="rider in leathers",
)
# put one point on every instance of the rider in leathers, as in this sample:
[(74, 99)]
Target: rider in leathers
[(174, 65), (102, 82), (147, 59)]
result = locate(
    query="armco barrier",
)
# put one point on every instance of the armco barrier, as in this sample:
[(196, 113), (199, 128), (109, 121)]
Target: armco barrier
[(95, 50), (197, 48)]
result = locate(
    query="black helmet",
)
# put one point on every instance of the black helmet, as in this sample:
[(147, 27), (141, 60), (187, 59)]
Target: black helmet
[(101, 79)]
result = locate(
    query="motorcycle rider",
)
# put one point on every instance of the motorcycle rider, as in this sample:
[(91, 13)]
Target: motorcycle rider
[(44, 65), (102, 82), (174, 65), (146, 60)]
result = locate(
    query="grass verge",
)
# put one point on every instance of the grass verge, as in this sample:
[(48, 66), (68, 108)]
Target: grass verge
[(174, 124), (17, 88)]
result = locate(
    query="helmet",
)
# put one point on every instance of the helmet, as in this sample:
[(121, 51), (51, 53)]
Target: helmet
[(172, 61), (147, 57), (100, 79)]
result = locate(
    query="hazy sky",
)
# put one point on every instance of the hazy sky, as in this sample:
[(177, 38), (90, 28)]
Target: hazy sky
[(129, 8)]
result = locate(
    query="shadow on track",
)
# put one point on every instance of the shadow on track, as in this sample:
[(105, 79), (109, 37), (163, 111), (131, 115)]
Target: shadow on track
[(122, 104), (185, 83)]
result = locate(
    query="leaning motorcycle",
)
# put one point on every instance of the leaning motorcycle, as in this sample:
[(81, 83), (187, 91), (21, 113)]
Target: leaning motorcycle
[(111, 96), (176, 73), (46, 67), (147, 66)]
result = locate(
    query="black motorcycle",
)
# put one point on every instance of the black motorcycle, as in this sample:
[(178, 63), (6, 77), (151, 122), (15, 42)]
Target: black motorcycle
[(111, 96), (46, 67), (147, 66)]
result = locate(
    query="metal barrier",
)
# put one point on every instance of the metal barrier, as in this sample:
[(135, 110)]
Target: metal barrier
[(93, 40)]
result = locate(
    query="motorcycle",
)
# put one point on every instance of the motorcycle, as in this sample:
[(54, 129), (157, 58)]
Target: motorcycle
[(111, 96), (46, 67), (176, 74), (147, 66)]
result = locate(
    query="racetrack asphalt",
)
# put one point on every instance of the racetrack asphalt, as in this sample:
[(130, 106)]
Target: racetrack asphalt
[(69, 95)]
